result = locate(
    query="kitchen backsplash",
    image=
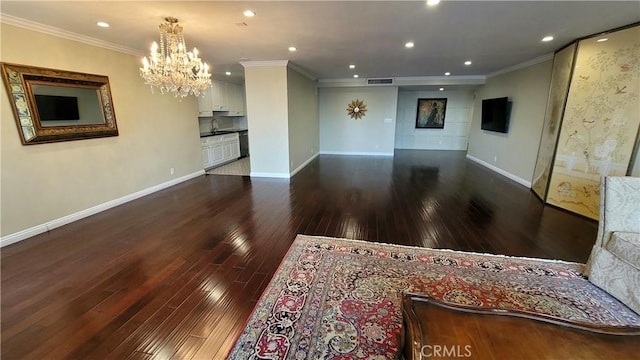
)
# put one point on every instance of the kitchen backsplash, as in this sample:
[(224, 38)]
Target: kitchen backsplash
[(223, 123), (241, 122)]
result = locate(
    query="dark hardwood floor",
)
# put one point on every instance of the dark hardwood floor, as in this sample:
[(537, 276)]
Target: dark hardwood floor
[(174, 275)]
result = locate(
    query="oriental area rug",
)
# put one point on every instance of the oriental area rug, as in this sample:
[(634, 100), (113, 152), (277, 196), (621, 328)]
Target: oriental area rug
[(342, 299)]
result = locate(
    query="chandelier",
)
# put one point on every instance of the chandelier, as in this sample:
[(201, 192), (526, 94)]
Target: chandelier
[(171, 68)]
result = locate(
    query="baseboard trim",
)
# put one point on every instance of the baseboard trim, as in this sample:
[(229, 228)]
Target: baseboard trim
[(349, 153), (515, 178), (309, 160), (269, 175), (50, 225)]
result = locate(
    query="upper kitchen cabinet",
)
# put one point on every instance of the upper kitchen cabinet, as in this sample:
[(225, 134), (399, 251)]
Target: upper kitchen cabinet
[(236, 100), (224, 97), (215, 98)]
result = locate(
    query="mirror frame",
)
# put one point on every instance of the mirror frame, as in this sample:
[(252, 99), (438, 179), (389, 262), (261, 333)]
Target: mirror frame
[(19, 79)]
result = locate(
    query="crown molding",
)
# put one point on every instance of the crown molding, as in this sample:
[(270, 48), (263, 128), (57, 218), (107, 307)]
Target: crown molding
[(408, 81), (342, 82), (259, 63), (441, 78), (302, 71), (522, 65), (438, 80), (50, 30)]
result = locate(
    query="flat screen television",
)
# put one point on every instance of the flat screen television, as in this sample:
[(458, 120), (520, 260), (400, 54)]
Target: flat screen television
[(57, 108), (495, 114)]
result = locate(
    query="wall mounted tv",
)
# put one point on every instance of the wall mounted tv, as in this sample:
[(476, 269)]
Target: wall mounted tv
[(57, 108), (495, 114)]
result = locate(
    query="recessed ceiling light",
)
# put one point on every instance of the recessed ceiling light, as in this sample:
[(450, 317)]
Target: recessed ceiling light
[(433, 2), (228, 73), (355, 76), (292, 48), (249, 13), (352, 66), (102, 24), (468, 62), (547, 38), (447, 73), (441, 89), (409, 44), (602, 40)]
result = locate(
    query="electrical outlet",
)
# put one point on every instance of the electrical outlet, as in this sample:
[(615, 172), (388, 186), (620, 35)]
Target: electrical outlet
[(495, 159), (172, 171)]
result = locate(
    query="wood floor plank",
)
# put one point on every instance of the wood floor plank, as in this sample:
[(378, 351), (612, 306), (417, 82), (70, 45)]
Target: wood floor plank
[(176, 274)]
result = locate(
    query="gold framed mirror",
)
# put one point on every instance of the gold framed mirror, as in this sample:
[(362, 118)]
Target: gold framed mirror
[(56, 105)]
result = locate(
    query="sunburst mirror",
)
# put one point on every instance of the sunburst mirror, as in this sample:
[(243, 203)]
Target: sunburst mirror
[(356, 109)]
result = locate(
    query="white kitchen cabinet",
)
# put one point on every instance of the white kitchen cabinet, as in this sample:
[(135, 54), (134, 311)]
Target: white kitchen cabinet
[(215, 98), (217, 154), (206, 157), (220, 149), (235, 150), (236, 100), (227, 150), (220, 95)]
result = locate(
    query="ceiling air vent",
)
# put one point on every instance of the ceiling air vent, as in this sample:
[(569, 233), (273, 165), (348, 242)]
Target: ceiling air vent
[(380, 81)]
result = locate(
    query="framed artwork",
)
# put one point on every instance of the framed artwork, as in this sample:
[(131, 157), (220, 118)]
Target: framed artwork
[(430, 114)]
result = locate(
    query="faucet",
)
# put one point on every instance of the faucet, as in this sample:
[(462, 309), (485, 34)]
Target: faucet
[(214, 125)]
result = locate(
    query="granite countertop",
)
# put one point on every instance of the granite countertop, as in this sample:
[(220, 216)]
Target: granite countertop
[(221, 132)]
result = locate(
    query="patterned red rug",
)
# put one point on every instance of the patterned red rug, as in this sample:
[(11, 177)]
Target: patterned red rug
[(337, 298)]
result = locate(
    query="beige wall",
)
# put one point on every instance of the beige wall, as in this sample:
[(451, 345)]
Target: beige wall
[(457, 119), (516, 151), (266, 90), (304, 132), (44, 182), (370, 135)]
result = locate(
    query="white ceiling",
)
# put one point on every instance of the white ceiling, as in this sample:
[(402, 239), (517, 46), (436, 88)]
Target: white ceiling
[(330, 35)]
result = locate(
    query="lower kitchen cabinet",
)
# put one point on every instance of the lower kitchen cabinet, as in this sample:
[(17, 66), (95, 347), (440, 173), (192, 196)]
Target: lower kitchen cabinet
[(206, 157), (219, 149), (217, 154)]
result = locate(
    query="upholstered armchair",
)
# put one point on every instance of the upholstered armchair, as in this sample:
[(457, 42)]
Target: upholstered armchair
[(614, 264)]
